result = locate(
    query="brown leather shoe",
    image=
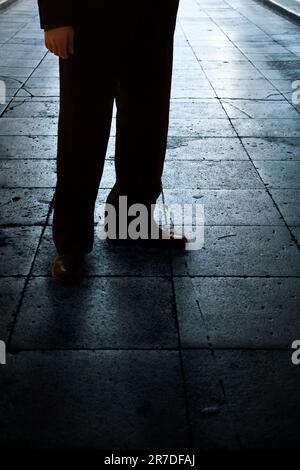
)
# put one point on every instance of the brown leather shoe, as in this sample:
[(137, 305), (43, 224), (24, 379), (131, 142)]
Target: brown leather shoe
[(166, 239), (69, 269)]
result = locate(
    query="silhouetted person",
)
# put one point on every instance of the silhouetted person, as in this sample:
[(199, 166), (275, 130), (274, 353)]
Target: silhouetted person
[(109, 50)]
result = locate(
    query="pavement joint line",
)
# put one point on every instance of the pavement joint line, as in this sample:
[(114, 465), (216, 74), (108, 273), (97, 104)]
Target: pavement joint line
[(182, 188), (4, 226), (36, 187), (231, 411), (28, 159), (160, 276), (27, 277), (15, 351), (185, 348), (182, 368)]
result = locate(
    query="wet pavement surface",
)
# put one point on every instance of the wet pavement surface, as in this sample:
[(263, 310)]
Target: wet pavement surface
[(156, 349)]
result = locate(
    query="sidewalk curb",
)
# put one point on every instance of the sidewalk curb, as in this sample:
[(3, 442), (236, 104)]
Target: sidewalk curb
[(5, 3), (280, 7)]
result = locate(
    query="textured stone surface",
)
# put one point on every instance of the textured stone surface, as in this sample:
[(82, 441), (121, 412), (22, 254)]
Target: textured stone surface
[(32, 109), (241, 251), (103, 313), (267, 127), (258, 387), (288, 201), (28, 147), (10, 294), (24, 206), (225, 206), (181, 148), (273, 148), (130, 398), (238, 313), (259, 109), (201, 128), (296, 233), (23, 174), (280, 175), (28, 126), (211, 175), (196, 109), (160, 349), (17, 249)]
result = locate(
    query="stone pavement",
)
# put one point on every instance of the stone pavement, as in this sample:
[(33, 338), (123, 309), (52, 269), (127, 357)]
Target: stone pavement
[(161, 350)]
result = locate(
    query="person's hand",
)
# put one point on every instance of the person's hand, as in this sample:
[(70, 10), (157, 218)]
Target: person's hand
[(60, 41)]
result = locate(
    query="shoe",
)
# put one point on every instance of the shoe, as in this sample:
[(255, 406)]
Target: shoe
[(69, 269), (166, 239)]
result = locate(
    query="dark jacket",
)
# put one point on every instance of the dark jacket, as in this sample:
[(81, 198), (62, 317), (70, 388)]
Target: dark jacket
[(56, 12)]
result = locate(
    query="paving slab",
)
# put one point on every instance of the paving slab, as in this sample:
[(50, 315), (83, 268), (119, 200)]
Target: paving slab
[(257, 57), (272, 148), (132, 400), (225, 207), (46, 71), (207, 403), (20, 51), (208, 148), (241, 251), (196, 109), (288, 201), (211, 175), (17, 249), (23, 174), (10, 294), (15, 72), (42, 174), (279, 174), (28, 126), (201, 128), (41, 147), (105, 313), (18, 62), (31, 109), (264, 414), (239, 313), (267, 127), (25, 206)]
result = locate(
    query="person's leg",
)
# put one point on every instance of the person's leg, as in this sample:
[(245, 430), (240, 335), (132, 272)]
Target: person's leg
[(86, 102), (143, 98)]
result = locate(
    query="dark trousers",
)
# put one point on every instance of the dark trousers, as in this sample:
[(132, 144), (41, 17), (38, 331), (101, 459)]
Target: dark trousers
[(123, 53)]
